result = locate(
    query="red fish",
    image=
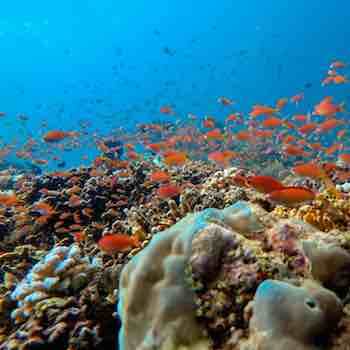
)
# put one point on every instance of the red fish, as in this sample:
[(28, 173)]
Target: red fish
[(272, 122), (168, 191), (281, 103), (115, 243), (58, 135), (291, 195), (292, 150), (225, 101), (345, 157), (175, 158), (159, 176), (337, 65), (327, 108), (222, 157), (214, 134), (329, 125), (264, 184), (262, 110), (166, 110), (307, 128), (309, 170), (297, 98)]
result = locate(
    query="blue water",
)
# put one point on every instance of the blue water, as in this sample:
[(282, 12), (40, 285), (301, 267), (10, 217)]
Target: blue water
[(114, 63)]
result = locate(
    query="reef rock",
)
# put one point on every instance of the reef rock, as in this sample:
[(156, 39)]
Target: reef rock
[(290, 317), (157, 304)]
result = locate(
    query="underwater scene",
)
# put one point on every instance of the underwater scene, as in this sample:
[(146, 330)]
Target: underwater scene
[(175, 175)]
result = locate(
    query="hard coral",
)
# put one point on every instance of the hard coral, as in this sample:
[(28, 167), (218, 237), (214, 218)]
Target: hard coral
[(326, 213), (62, 269), (279, 310)]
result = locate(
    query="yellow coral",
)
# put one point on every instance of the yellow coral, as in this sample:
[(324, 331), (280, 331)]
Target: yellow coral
[(327, 212)]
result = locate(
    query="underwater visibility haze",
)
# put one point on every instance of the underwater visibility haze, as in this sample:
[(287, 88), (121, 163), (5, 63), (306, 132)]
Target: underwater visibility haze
[(175, 175)]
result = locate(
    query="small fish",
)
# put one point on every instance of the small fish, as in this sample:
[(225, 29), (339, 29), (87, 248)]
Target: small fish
[(281, 103), (209, 123), (297, 98), (311, 170), (307, 128), (272, 122), (225, 101), (175, 158), (337, 65), (264, 184), (214, 134), (301, 117), (258, 110), (58, 135), (169, 191), (293, 150), (329, 125), (289, 196), (159, 176), (115, 243), (327, 108), (223, 158), (345, 157), (166, 110)]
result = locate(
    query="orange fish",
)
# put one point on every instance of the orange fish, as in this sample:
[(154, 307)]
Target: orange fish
[(209, 123), (225, 101), (316, 146), (291, 195), (343, 175), (168, 191), (327, 108), (214, 134), (8, 200), (307, 128), (258, 110), (115, 243), (159, 176), (334, 148), (263, 133), (340, 79), (301, 117), (337, 65), (272, 122), (345, 157), (288, 139), (175, 158), (79, 236), (297, 98), (329, 124), (281, 103), (40, 161), (222, 157), (58, 135), (233, 117), (328, 80), (264, 184), (341, 133), (244, 135), (292, 150), (166, 110), (156, 147), (311, 170)]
